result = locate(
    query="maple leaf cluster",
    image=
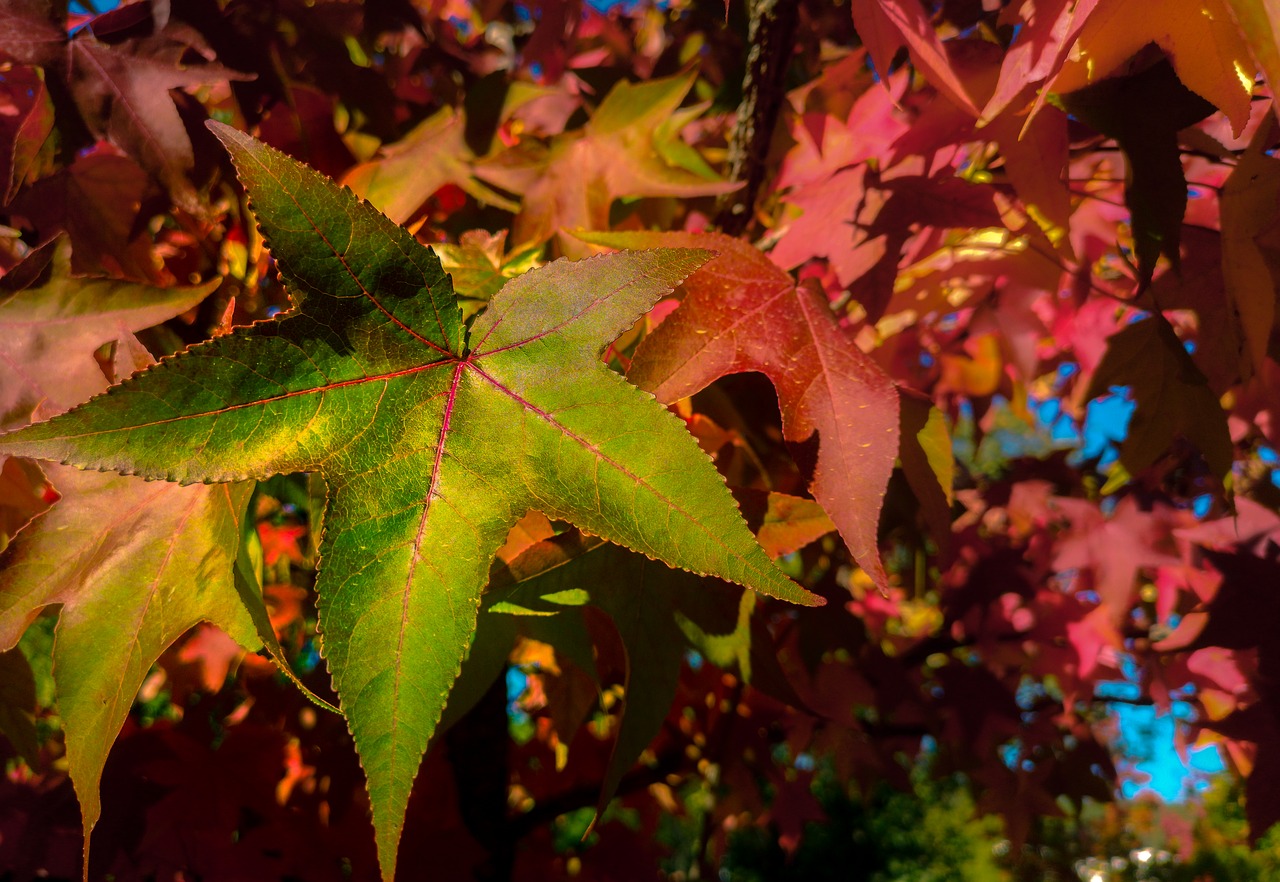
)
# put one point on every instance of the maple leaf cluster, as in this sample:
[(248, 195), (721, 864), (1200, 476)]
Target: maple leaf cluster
[(433, 429)]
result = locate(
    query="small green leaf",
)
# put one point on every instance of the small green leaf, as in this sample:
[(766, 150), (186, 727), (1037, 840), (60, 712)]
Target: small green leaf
[(480, 266)]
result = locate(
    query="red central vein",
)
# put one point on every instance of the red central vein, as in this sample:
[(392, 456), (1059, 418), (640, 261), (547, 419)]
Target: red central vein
[(435, 471), (350, 272), (417, 542), (544, 415), (261, 401), (569, 433)]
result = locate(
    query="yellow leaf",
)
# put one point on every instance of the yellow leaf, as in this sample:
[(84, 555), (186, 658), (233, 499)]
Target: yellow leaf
[(1259, 22), (978, 376), (1200, 37)]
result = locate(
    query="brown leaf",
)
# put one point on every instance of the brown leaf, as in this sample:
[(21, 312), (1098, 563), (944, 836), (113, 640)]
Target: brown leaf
[(125, 96)]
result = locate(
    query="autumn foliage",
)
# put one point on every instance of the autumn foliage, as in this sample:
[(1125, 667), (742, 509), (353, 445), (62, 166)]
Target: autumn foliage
[(551, 438)]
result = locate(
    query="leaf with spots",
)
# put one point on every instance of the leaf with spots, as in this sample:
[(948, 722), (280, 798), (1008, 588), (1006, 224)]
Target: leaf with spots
[(432, 439)]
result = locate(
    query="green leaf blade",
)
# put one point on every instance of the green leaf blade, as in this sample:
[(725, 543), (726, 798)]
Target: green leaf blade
[(600, 455), (332, 247), (596, 301), (430, 454), (262, 391)]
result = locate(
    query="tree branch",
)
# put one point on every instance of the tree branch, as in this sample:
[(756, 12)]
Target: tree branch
[(771, 40)]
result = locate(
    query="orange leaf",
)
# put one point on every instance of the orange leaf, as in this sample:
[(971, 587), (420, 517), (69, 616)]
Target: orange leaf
[(1200, 37), (1259, 22)]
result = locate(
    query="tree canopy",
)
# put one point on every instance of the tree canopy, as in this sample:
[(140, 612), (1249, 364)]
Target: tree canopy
[(630, 437)]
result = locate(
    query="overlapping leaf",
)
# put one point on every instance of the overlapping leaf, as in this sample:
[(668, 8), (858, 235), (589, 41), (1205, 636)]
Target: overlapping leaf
[(885, 26), (26, 122), (1250, 231), (1045, 31), (658, 613), (121, 89), (629, 147), (1200, 37), (479, 265), (435, 153), (431, 446), (95, 201), (1144, 113), (51, 322), (132, 564), (1259, 24), (1173, 397), (740, 313)]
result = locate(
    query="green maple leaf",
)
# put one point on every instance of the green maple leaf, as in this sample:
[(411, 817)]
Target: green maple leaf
[(480, 266), (432, 442)]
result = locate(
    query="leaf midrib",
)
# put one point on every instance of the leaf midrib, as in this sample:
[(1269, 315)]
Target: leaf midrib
[(341, 258), (297, 393), (416, 557), (595, 451)]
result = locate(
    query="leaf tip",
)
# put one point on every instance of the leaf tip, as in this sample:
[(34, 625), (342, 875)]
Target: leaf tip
[(224, 133), (698, 256), (687, 261)]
